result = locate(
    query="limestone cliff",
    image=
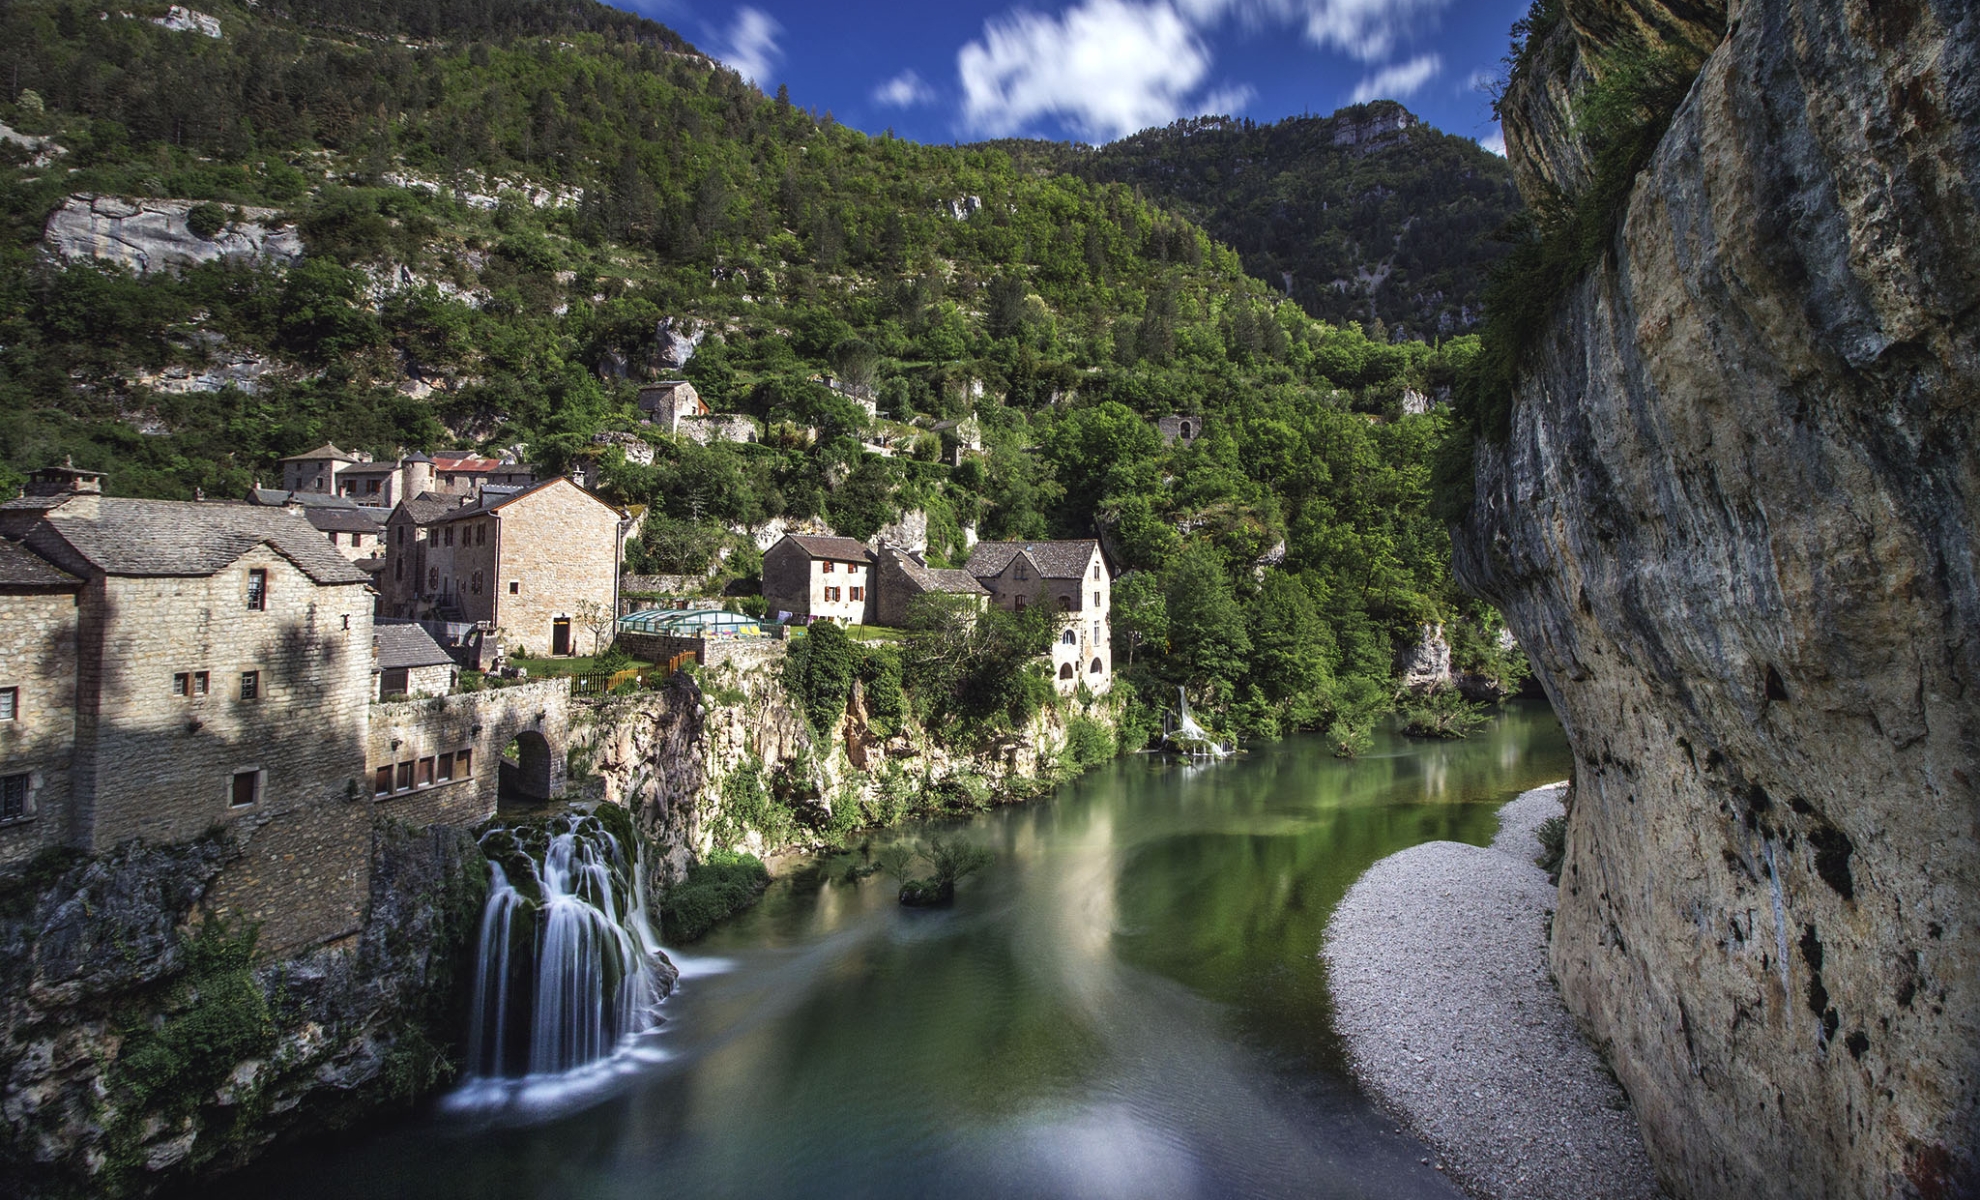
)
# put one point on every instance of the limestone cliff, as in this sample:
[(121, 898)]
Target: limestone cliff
[(1734, 524)]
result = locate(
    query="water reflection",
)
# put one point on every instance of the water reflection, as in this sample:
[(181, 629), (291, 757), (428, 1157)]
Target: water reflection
[(1127, 1003)]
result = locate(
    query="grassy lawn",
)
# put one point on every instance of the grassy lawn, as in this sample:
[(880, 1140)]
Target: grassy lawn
[(540, 668)]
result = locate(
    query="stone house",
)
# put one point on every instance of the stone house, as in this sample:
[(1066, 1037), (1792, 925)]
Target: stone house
[(315, 471), (902, 576), (1180, 428), (39, 615), (1070, 577), (526, 563), (358, 531), (807, 578), (666, 403), (408, 662)]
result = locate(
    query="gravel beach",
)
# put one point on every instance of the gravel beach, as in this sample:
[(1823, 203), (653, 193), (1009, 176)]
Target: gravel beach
[(1438, 966)]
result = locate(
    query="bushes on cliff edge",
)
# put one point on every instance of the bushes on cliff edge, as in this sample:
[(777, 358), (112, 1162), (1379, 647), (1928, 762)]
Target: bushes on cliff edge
[(717, 888)]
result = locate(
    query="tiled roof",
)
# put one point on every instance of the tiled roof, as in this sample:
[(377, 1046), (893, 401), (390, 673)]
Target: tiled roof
[(406, 644), (176, 537), (428, 507), (326, 450), (494, 497), (463, 461), (1054, 560), (370, 468), (22, 567), (840, 548)]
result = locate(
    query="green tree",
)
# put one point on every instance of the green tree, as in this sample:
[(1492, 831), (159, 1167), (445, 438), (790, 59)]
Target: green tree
[(1209, 644)]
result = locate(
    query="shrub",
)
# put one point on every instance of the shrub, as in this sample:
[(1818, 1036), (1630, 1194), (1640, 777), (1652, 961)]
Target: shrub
[(206, 220), (1443, 713), (1088, 742), (819, 672), (715, 889), (1553, 847)]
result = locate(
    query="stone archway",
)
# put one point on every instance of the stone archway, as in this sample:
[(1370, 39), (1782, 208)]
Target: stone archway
[(528, 769)]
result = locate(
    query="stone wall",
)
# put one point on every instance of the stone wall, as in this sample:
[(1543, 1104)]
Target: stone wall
[(160, 765), (38, 660), (1733, 524), (483, 723), (561, 547)]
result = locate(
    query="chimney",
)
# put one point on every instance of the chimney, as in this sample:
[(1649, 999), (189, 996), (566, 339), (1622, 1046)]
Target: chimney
[(65, 480)]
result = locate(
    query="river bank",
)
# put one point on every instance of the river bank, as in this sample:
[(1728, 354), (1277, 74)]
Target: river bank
[(1437, 960)]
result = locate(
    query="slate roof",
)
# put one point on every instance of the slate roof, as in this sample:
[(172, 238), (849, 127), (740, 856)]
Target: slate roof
[(276, 498), (837, 548), (942, 579), (493, 498), (326, 450), (1053, 560), (403, 644), (342, 520), (21, 567), (177, 537), (428, 507), (370, 468)]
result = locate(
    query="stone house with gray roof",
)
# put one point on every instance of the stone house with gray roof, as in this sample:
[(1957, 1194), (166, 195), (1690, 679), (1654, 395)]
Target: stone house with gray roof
[(1070, 577), (39, 618), (811, 578), (409, 663), (901, 577), (220, 675)]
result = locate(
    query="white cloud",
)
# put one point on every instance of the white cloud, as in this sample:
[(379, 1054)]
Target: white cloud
[(1399, 81), (1226, 101), (1496, 143), (750, 45), (1105, 67), (1366, 29), (905, 90)]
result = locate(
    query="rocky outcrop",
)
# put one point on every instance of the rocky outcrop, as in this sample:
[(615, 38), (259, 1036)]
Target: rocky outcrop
[(140, 1042), (1734, 526), (1425, 665), (155, 235)]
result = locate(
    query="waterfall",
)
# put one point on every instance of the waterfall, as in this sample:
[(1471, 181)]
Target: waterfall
[(1192, 739), (567, 970)]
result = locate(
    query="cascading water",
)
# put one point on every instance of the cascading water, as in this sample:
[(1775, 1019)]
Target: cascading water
[(568, 971), (1190, 738)]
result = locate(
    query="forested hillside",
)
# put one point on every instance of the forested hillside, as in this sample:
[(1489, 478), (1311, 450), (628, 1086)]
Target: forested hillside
[(498, 204), (1367, 215)]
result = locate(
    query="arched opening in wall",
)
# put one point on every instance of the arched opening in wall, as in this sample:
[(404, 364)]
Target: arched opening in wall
[(1187, 433), (1069, 638), (1096, 668), (1065, 671), (525, 769)]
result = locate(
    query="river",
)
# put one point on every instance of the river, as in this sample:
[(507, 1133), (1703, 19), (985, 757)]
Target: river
[(1126, 1003)]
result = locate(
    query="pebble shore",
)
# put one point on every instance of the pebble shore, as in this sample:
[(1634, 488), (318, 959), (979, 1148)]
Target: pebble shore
[(1437, 960)]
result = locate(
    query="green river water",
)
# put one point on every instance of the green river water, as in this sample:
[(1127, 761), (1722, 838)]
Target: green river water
[(1127, 1003)]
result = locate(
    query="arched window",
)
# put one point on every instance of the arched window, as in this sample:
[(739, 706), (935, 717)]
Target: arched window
[(1066, 671), (1096, 668), (1186, 433), (1065, 604), (1069, 638)]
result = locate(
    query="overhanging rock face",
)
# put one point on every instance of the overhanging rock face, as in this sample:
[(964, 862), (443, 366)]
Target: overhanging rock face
[(156, 235), (1735, 526)]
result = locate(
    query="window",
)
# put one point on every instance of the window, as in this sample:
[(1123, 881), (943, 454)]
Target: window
[(381, 784), (852, 568), (475, 583), (515, 587), (859, 593), (357, 539), (1095, 669), (424, 776), (1096, 633), (371, 487), (1096, 600), (250, 685), (402, 535), (433, 579), (1022, 572), (831, 594), (246, 789), (1018, 603), (463, 764), (14, 798), (450, 535), (829, 567), (405, 776), (1066, 671), (443, 771), (333, 537), (182, 684), (257, 596), (200, 680), (10, 704), (1096, 570), (481, 534), (1069, 638)]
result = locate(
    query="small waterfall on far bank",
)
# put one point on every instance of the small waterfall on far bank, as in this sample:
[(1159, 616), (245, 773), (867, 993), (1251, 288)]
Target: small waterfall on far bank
[(1190, 738), (567, 970)]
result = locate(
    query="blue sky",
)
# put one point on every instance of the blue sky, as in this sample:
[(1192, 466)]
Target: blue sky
[(1094, 70)]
